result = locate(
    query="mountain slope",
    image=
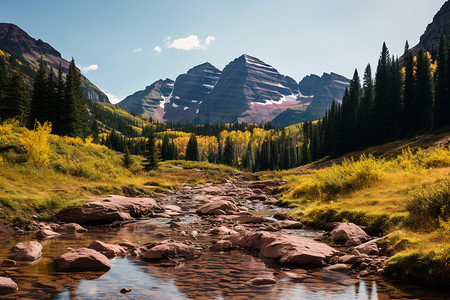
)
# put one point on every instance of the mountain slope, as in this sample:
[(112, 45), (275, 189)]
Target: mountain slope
[(248, 90), (439, 25), (15, 41), (150, 101), (189, 91), (322, 91)]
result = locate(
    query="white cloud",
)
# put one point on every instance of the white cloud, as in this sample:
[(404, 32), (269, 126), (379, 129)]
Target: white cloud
[(89, 68), (137, 50), (191, 42), (158, 49), (209, 39), (113, 98)]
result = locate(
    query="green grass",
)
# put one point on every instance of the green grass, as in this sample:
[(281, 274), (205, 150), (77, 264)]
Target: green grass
[(406, 197), (78, 171)]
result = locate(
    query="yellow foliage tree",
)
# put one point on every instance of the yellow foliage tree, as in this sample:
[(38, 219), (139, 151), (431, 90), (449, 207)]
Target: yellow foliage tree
[(37, 145)]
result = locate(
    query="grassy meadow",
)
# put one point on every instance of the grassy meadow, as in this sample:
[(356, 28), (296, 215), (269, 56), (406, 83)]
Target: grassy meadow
[(405, 197), (62, 171)]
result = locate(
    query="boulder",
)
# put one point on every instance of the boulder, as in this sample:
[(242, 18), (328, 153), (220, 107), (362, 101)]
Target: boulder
[(210, 208), (222, 245), (169, 249), (222, 230), (369, 248), (7, 285), (82, 259), (29, 251), (8, 263), (247, 219), (288, 224), (337, 267), (109, 250), (262, 281), (46, 234), (213, 190), (256, 197), (170, 207), (286, 249), (71, 228), (108, 210), (348, 259), (348, 234)]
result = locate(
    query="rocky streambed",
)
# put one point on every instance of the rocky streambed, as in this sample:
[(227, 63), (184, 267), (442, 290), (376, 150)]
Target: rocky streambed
[(217, 241)]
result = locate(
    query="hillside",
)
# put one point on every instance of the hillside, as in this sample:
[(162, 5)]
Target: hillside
[(28, 51)]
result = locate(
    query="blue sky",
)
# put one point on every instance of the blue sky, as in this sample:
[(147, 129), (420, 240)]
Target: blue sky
[(114, 41)]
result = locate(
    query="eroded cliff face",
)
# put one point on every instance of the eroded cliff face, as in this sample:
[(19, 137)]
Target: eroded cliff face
[(16, 41), (440, 25)]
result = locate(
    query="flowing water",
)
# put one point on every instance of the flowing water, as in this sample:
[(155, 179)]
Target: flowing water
[(214, 275)]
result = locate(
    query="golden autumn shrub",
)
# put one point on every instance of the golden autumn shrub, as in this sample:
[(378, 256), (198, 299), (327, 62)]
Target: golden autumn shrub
[(36, 143)]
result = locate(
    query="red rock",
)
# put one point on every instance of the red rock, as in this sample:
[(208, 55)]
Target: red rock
[(288, 224), (222, 245), (348, 259), (286, 249), (29, 251), (82, 259), (369, 248), (108, 210), (348, 234), (256, 197), (170, 207), (337, 267), (109, 250), (250, 219), (46, 234), (71, 228), (8, 263), (7, 285), (169, 249), (222, 230), (210, 208), (262, 281), (213, 190)]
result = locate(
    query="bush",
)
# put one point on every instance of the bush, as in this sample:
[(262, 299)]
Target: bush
[(431, 268), (350, 176), (430, 206)]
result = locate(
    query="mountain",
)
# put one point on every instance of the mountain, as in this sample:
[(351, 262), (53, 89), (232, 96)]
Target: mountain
[(439, 25), (322, 91), (150, 101), (15, 41), (189, 92), (247, 90)]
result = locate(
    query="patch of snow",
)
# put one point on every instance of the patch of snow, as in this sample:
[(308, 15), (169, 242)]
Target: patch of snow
[(174, 105), (342, 82), (165, 100), (194, 101), (200, 102), (284, 98), (197, 111), (208, 85), (185, 108), (303, 96)]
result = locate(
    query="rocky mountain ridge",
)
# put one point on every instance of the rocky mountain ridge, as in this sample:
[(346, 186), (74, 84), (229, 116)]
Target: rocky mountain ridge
[(247, 90)]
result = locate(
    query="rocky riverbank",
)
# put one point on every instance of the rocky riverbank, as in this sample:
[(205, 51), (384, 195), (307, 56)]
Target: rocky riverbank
[(202, 220)]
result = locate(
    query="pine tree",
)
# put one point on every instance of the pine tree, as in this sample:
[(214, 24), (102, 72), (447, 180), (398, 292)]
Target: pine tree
[(127, 160), (16, 102), (74, 110), (228, 152), (247, 161), (423, 92), (151, 151), (442, 89), (39, 104), (192, 152), (382, 111), (364, 109), (410, 116), (165, 148)]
